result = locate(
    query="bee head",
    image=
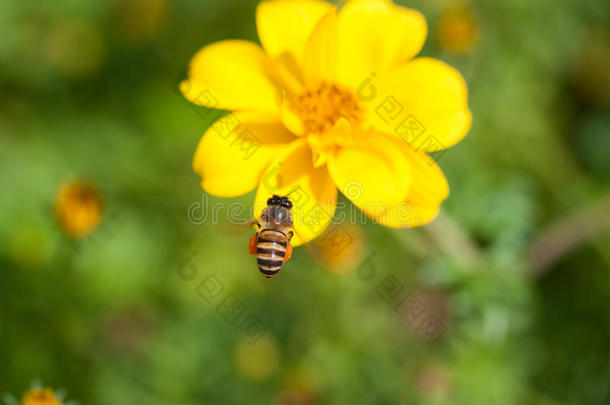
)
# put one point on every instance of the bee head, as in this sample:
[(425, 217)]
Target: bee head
[(285, 202), (281, 201), (275, 200)]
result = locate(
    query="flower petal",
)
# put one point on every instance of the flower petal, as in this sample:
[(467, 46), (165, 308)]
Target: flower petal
[(284, 26), (372, 173), (290, 119), (312, 191), (428, 186), (340, 135), (231, 75), (428, 190), (407, 215), (235, 151), (425, 103), (321, 50), (374, 37)]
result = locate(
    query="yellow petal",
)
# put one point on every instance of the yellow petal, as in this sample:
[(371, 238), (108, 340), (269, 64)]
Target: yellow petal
[(375, 36), (415, 35), (231, 75), (234, 152), (372, 173), (340, 135), (312, 191), (425, 103), (428, 183), (321, 50), (407, 215), (428, 190), (284, 26), (290, 119), (287, 75)]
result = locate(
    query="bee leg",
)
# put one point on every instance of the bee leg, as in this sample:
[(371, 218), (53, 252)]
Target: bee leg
[(253, 241), (288, 252), (290, 235)]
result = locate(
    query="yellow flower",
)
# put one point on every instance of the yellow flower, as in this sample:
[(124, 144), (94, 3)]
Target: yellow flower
[(75, 48), (339, 249), (258, 360), (434, 381), (331, 100), (139, 20), (458, 31), (78, 208), (39, 396)]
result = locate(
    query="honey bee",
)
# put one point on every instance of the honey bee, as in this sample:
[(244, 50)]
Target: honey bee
[(271, 243)]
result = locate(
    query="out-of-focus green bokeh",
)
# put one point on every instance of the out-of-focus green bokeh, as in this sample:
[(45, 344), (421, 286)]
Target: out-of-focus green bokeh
[(514, 275)]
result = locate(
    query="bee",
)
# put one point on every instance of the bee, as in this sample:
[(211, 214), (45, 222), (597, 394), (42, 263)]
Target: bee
[(271, 243)]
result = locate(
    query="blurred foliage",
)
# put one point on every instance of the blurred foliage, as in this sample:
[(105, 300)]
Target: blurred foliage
[(121, 316)]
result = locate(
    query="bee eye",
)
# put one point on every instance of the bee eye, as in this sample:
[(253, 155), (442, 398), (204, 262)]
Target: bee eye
[(275, 200)]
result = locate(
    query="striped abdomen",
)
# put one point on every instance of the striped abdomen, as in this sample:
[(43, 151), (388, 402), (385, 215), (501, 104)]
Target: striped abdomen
[(270, 251)]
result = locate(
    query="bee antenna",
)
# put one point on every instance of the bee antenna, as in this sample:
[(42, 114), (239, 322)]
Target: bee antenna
[(295, 189)]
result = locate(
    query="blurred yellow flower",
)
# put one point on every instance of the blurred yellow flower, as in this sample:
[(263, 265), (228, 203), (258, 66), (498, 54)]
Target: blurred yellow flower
[(139, 20), (339, 249), (298, 388), (458, 30), (39, 396), (258, 360), (331, 100), (76, 48), (78, 208), (434, 380)]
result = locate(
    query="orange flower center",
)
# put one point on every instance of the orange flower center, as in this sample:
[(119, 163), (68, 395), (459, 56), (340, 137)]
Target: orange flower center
[(458, 31), (79, 208), (38, 396), (321, 107)]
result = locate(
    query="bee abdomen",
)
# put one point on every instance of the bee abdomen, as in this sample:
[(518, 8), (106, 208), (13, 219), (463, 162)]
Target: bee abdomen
[(270, 251)]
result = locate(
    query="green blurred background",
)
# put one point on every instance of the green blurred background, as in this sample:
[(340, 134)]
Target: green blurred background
[(516, 270)]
